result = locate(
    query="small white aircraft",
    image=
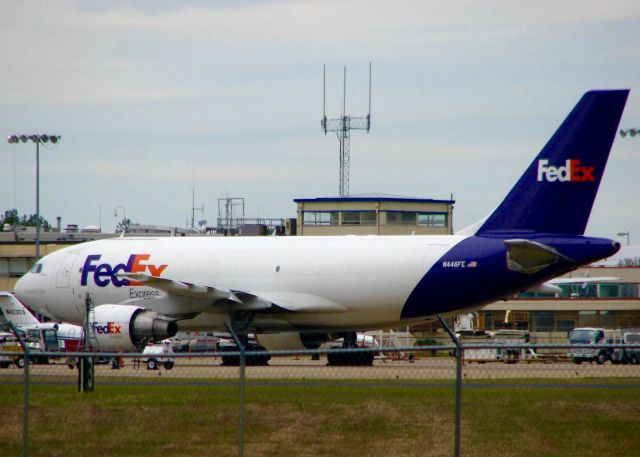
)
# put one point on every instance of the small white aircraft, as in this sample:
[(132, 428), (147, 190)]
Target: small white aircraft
[(553, 286), (298, 291), (70, 336)]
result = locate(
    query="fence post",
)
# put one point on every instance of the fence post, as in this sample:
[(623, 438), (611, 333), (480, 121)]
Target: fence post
[(27, 370), (242, 364), (456, 341)]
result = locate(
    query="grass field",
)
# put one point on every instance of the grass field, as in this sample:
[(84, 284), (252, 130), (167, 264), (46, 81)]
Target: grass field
[(588, 418)]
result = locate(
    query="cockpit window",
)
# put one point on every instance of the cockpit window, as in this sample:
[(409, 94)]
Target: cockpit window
[(37, 268)]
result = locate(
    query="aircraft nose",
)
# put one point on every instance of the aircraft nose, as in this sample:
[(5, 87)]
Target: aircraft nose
[(21, 286)]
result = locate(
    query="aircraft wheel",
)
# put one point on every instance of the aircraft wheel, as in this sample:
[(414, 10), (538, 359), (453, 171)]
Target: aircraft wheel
[(350, 359), (230, 360)]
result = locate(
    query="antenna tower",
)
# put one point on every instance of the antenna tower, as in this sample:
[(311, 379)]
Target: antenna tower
[(343, 126), (192, 227)]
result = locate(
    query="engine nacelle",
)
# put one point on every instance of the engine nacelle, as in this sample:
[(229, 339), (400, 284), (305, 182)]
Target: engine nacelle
[(293, 340), (128, 328)]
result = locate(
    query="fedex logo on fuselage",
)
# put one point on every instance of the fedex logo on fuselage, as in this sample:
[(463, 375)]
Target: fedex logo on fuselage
[(106, 328), (571, 171), (104, 274)]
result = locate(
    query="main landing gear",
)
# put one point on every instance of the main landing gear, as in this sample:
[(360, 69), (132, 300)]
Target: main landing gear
[(249, 360), (239, 327), (355, 358)]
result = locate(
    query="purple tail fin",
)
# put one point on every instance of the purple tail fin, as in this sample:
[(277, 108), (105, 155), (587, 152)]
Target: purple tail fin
[(557, 191)]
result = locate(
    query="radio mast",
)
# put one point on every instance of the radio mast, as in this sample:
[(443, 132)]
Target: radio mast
[(343, 126)]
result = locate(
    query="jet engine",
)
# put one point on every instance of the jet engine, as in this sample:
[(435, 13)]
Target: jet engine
[(293, 340), (128, 328)]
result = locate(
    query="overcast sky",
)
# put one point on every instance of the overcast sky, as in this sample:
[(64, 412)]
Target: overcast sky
[(154, 99)]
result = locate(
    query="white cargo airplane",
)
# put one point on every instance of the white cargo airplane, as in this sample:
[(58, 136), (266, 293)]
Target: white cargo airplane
[(296, 291)]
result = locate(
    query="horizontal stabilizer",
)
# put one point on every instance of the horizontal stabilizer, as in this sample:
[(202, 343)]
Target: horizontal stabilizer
[(529, 257)]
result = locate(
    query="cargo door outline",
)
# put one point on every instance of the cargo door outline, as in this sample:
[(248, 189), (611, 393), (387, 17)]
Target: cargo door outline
[(63, 279)]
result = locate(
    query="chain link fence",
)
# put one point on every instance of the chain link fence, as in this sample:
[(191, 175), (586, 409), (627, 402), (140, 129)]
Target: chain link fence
[(471, 399)]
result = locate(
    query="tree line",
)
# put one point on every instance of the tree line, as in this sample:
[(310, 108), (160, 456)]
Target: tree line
[(13, 218)]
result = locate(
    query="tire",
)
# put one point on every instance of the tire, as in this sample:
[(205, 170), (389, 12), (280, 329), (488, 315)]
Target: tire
[(577, 361), (5, 364), (168, 365), (152, 364), (20, 362), (601, 358), (634, 360), (230, 361), (350, 359)]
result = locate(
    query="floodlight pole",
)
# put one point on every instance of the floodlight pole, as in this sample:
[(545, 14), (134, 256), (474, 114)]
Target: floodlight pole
[(38, 200), (628, 235), (37, 139)]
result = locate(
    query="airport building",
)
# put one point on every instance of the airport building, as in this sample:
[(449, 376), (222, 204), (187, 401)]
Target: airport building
[(612, 303), (373, 214), (18, 247)]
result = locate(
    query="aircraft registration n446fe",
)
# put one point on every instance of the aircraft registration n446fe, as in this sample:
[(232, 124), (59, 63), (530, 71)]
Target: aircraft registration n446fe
[(295, 292)]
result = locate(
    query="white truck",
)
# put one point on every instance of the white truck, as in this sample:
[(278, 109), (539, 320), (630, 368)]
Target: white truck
[(630, 352), (595, 337)]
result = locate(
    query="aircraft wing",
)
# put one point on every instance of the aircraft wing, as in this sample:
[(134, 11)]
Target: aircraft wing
[(526, 256), (551, 286), (584, 280), (238, 300), (180, 288)]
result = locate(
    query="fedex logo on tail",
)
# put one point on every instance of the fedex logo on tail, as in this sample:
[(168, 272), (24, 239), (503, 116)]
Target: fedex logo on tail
[(104, 274), (572, 171)]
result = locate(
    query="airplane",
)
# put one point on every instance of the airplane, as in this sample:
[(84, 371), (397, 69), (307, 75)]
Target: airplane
[(293, 292), (69, 336), (553, 286)]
